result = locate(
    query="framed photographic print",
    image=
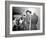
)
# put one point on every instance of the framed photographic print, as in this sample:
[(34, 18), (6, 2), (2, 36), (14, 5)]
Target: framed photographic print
[(24, 18)]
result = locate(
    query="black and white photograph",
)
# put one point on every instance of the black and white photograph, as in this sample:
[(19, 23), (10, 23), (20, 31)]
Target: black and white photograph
[(24, 18)]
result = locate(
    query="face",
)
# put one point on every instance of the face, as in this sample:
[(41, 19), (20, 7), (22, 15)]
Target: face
[(28, 13)]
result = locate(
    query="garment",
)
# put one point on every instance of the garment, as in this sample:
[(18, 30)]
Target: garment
[(26, 22), (34, 20), (15, 28)]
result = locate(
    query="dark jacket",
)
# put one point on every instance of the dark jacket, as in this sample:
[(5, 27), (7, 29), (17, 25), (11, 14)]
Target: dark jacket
[(34, 20)]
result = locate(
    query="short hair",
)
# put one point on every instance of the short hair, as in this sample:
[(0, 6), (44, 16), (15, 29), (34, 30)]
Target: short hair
[(28, 11)]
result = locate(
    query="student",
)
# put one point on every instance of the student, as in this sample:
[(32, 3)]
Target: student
[(34, 20), (27, 20)]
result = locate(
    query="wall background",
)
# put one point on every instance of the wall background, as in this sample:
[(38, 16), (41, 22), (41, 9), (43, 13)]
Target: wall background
[(2, 19)]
